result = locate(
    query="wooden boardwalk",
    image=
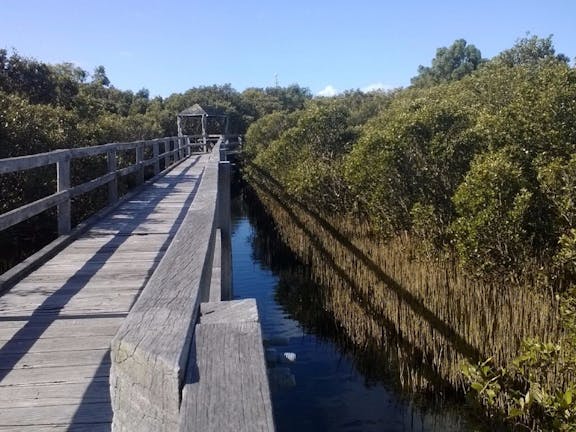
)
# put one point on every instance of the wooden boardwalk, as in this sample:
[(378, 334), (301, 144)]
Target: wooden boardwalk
[(56, 324)]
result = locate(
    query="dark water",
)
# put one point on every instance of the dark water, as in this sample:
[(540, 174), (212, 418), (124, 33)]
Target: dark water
[(331, 385)]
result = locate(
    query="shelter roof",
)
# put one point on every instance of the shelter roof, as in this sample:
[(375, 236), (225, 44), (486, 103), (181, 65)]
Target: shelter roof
[(199, 111)]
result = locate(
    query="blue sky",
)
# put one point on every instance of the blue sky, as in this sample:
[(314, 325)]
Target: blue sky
[(170, 46)]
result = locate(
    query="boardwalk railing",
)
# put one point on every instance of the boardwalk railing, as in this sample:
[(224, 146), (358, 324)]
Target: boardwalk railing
[(174, 149), (177, 366), (186, 357)]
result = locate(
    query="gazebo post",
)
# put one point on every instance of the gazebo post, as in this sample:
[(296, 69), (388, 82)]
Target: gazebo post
[(204, 118)]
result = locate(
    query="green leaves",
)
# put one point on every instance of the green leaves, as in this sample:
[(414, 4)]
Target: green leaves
[(492, 203), (450, 64)]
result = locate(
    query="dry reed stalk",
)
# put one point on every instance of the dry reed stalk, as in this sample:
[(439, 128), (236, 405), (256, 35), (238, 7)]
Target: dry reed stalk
[(437, 316)]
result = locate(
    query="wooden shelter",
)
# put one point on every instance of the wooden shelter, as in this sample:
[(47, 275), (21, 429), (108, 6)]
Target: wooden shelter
[(204, 114)]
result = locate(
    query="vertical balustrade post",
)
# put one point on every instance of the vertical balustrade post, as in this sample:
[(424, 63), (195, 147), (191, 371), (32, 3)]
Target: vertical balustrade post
[(225, 224), (140, 162), (155, 152), (63, 181), (166, 157), (113, 184), (188, 148)]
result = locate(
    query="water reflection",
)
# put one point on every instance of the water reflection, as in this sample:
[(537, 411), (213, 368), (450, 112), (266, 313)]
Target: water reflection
[(338, 385)]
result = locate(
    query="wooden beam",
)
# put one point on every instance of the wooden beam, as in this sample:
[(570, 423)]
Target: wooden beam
[(227, 385), (150, 351), (64, 208), (26, 212), (225, 225), (113, 185)]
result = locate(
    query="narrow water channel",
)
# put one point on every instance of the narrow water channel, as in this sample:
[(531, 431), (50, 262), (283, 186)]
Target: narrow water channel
[(324, 382)]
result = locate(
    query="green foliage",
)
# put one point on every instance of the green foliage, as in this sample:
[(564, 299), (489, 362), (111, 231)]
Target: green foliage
[(259, 102), (304, 149), (493, 203), (530, 51), (519, 395), (269, 128), (415, 151), (477, 158), (450, 64)]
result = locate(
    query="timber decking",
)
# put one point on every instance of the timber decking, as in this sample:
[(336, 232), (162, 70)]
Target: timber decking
[(56, 324)]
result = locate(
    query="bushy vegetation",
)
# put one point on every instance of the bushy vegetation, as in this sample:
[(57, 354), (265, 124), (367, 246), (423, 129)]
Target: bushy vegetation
[(469, 175), (474, 162), (44, 107)]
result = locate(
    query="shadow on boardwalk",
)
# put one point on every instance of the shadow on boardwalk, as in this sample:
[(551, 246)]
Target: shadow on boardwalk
[(49, 310)]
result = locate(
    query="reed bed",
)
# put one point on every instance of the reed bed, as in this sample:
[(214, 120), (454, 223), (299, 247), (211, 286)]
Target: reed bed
[(429, 311)]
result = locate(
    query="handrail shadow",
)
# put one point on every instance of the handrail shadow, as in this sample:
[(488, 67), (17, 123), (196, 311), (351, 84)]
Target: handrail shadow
[(459, 343)]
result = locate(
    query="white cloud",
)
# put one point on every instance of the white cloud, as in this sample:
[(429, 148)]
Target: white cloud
[(377, 86), (328, 91)]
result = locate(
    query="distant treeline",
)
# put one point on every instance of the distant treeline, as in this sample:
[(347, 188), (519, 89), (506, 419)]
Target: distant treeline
[(475, 161), (45, 107)]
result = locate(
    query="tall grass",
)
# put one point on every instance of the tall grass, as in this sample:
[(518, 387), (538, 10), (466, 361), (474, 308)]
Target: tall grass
[(437, 316)]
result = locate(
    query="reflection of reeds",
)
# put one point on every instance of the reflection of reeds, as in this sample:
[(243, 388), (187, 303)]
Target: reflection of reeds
[(438, 316)]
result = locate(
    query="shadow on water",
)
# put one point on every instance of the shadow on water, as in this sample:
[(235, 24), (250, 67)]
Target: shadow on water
[(339, 383)]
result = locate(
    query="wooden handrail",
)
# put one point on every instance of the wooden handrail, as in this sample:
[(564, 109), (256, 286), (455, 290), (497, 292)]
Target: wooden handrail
[(175, 149), (151, 350)]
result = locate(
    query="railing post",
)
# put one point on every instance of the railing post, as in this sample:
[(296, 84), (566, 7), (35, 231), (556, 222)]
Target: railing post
[(155, 151), (63, 180), (188, 148), (166, 155), (225, 224), (170, 157), (113, 184), (140, 162)]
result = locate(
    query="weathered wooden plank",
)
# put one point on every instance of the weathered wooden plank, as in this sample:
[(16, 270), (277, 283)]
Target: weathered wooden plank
[(134, 256), (229, 389), (225, 225), (27, 330), (106, 243), (92, 184), (54, 394), (44, 416), (150, 351), (41, 360), (59, 301), (55, 374), (234, 311), (85, 321), (216, 281), (82, 278), (92, 287), (21, 163), (26, 212), (87, 427), (76, 308), (57, 344), (63, 185)]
